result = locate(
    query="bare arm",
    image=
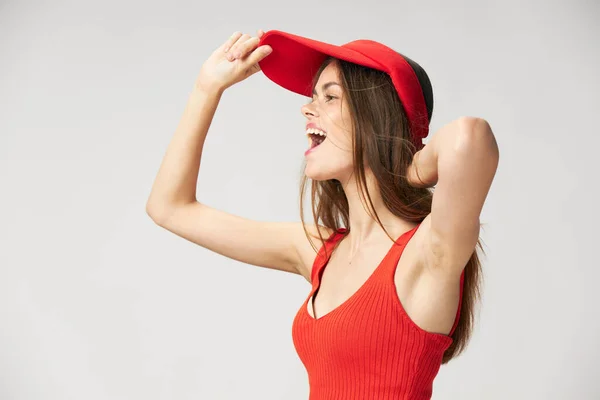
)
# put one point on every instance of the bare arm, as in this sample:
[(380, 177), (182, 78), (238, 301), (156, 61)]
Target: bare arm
[(461, 160), (172, 203), (176, 182)]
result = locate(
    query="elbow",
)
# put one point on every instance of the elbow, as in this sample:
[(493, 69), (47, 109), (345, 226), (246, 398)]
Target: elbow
[(476, 135), (157, 212), (152, 212)]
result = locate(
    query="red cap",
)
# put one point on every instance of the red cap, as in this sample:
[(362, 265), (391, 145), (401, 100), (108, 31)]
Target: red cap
[(295, 60)]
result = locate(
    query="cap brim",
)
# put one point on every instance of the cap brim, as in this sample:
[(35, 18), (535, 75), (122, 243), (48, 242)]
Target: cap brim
[(295, 60)]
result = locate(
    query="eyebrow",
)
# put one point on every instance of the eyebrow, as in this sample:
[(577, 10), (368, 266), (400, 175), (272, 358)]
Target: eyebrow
[(325, 86)]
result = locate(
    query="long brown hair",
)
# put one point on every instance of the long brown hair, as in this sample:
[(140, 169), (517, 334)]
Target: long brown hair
[(381, 140)]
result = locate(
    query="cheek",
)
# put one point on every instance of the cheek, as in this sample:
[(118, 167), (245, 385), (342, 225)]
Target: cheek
[(339, 155), (340, 141)]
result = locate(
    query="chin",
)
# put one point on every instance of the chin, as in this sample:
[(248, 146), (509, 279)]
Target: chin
[(321, 173), (327, 166), (317, 175)]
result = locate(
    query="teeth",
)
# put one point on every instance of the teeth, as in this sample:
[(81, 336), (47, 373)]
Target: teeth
[(316, 132)]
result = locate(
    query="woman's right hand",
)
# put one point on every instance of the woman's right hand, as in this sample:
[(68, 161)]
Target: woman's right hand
[(232, 62)]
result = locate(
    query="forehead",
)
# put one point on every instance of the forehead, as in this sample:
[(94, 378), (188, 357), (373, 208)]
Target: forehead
[(330, 73)]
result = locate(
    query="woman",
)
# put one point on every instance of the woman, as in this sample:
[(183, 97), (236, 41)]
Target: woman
[(394, 271)]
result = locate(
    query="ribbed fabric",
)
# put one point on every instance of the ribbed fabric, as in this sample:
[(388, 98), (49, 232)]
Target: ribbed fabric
[(368, 347)]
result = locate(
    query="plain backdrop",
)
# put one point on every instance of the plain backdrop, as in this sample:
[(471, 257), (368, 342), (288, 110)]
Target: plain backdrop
[(98, 302)]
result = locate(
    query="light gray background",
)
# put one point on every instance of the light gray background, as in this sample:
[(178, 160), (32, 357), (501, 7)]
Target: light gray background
[(98, 302)]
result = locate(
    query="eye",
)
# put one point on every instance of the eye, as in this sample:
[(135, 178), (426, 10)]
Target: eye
[(327, 97)]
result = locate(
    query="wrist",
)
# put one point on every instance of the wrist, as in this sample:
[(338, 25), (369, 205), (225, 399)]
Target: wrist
[(203, 94), (422, 172), (209, 89)]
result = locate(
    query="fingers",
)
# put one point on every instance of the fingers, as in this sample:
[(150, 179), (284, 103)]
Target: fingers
[(235, 51), (243, 47), (257, 55), (240, 44), (245, 44), (231, 41)]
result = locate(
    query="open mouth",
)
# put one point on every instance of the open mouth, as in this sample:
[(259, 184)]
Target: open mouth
[(315, 139)]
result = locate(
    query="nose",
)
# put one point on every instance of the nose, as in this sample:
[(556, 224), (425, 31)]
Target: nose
[(308, 110)]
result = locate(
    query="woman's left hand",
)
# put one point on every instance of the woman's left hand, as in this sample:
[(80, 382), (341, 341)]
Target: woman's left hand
[(422, 171)]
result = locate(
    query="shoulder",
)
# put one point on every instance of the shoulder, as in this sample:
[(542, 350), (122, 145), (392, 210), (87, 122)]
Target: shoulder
[(309, 246)]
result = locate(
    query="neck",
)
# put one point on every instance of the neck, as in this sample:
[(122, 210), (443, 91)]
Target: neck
[(364, 228)]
